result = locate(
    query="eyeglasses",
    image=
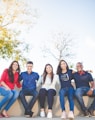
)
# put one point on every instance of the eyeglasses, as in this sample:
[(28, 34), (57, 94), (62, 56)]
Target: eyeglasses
[(29, 66), (79, 66)]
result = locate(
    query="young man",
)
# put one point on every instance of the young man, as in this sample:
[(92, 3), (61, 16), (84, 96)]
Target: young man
[(29, 88), (84, 86)]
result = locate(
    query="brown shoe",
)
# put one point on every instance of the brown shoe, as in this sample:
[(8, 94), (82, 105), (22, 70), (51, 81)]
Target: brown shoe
[(91, 112), (86, 113)]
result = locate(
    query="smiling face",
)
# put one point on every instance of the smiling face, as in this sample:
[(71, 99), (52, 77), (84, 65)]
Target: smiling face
[(79, 67), (63, 65), (15, 66), (29, 68), (49, 69)]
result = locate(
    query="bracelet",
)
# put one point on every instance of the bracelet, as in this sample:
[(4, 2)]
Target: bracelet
[(92, 89)]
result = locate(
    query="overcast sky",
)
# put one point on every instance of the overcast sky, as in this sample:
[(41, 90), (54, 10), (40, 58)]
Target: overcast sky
[(69, 16), (76, 17)]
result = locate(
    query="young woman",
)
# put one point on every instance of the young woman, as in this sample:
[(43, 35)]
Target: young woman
[(48, 89), (9, 79), (65, 77)]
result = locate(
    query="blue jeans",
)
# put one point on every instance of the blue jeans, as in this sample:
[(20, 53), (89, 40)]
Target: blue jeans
[(69, 92), (92, 106), (10, 97), (79, 93), (27, 92)]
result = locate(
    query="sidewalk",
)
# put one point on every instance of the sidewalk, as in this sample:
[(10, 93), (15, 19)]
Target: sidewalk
[(38, 118)]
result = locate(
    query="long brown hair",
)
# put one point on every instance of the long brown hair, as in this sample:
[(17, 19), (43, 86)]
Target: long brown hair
[(10, 71), (45, 73), (59, 70)]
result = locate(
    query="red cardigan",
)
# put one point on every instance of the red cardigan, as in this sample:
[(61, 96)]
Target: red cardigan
[(5, 78)]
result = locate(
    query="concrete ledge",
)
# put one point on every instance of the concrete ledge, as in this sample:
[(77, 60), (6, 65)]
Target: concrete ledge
[(18, 110)]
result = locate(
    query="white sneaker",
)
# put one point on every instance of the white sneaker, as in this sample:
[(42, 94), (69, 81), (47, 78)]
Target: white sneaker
[(42, 114), (63, 116), (71, 115), (49, 115)]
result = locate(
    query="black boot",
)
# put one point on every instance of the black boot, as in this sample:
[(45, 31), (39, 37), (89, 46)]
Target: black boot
[(28, 113)]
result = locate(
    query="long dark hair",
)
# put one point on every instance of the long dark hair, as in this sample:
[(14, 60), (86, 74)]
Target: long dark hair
[(45, 73), (59, 70), (10, 71)]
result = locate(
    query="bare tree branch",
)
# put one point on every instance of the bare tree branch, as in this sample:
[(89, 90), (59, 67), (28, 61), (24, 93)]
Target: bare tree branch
[(62, 44)]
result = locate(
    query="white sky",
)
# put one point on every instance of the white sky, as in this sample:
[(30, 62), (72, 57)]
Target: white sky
[(76, 17)]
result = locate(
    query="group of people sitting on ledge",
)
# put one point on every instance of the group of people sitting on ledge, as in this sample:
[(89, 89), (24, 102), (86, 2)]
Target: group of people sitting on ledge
[(28, 82)]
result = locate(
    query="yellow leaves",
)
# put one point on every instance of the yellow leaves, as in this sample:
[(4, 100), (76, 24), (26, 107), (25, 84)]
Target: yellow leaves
[(17, 12), (3, 33), (10, 47), (1, 19), (13, 12), (7, 44)]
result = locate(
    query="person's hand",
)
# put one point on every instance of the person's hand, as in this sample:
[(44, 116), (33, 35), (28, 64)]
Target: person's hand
[(7, 88), (90, 92)]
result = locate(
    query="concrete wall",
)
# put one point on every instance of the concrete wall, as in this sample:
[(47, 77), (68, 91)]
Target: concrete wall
[(18, 110)]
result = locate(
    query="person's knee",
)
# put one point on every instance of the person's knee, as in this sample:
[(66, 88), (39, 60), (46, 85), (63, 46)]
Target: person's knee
[(9, 95), (21, 94), (77, 94), (71, 97), (36, 95), (61, 93), (42, 92), (71, 94), (51, 92), (16, 94)]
